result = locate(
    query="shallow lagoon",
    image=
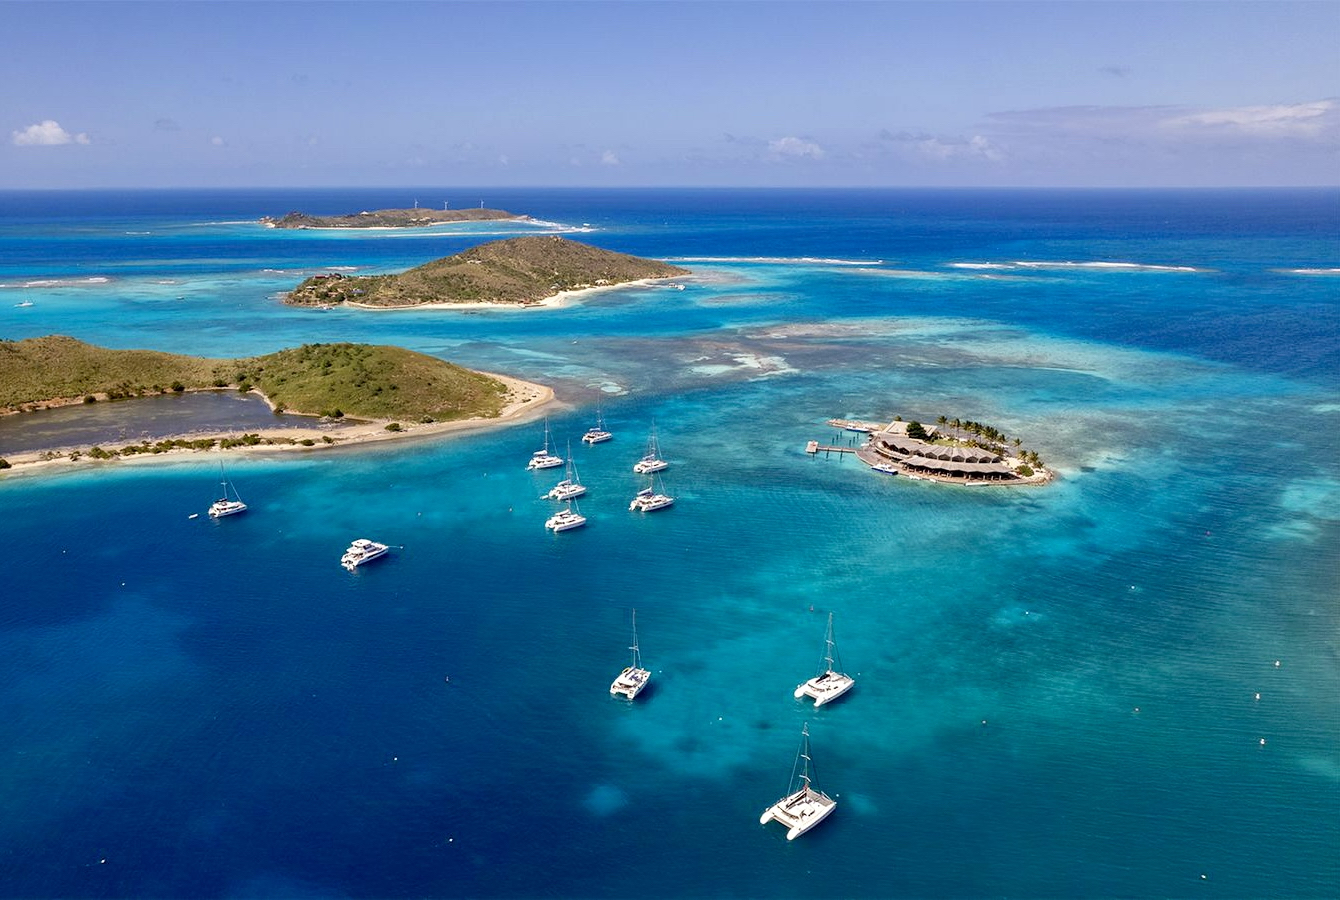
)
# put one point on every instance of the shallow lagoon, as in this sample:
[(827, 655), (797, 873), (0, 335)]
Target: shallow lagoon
[(115, 424)]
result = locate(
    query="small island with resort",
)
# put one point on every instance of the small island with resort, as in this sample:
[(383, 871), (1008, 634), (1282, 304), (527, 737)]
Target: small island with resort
[(523, 271), (953, 451), (370, 392), (392, 218)]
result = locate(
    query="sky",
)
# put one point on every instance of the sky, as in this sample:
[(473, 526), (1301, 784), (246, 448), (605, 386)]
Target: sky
[(216, 93)]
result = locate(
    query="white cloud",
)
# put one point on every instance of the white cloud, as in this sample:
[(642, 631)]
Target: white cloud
[(218, 141), (609, 158), (794, 148), (1315, 121), (46, 134), (1281, 120), (975, 147), (944, 148)]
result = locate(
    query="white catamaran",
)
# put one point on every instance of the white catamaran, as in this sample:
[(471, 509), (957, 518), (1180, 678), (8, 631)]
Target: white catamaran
[(597, 433), (802, 809), (651, 461), (651, 498), (634, 678), (830, 683), (569, 488), (565, 519), (543, 459), (230, 504)]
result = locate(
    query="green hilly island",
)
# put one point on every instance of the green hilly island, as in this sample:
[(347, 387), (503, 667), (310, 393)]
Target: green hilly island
[(519, 271), (390, 218), (358, 380)]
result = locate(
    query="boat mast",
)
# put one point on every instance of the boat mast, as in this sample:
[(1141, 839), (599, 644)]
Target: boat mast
[(805, 754), (803, 760), (828, 641), (637, 656)]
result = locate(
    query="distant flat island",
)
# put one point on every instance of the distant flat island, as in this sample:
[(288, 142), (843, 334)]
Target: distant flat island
[(391, 218), (523, 271), (957, 451), (386, 391)]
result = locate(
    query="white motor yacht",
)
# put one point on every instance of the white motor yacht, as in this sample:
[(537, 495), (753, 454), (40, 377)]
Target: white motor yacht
[(362, 551)]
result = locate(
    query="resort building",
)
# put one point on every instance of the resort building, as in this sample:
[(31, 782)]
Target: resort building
[(927, 458)]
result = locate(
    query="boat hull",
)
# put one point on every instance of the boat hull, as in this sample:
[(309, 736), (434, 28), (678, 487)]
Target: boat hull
[(650, 504), (630, 683), (564, 523), (647, 466), (565, 491), (800, 812), (825, 688), (358, 555), (596, 437), (223, 508)]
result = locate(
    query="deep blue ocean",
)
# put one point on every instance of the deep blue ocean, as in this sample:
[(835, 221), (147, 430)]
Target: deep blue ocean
[(1126, 683)]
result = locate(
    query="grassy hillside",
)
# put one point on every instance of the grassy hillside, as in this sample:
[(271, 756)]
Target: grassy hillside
[(59, 367), (373, 382), (356, 380), (518, 270)]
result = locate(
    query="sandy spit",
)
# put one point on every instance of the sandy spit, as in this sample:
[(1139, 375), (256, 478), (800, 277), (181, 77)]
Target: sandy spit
[(525, 401)]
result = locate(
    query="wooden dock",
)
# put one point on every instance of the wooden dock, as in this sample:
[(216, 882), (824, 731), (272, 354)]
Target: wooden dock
[(856, 425), (815, 447)]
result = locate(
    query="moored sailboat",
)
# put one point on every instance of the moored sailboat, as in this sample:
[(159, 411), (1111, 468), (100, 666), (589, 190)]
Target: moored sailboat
[(565, 520), (651, 498), (542, 458), (230, 504), (570, 487), (633, 678), (597, 434), (830, 683), (651, 461), (803, 808)]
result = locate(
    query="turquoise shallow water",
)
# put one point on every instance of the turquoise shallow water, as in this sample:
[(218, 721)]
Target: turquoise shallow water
[(1056, 688)]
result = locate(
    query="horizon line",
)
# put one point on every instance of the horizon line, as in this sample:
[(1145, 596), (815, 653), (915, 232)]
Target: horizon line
[(673, 187)]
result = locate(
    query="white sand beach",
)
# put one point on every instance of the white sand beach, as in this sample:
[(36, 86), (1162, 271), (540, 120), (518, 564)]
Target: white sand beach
[(553, 301)]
